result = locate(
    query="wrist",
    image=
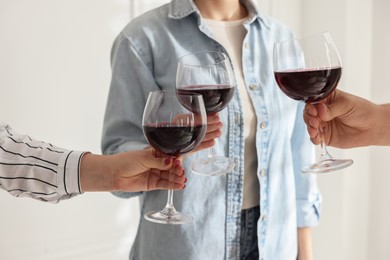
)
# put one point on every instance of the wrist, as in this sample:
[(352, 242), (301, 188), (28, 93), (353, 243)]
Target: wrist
[(96, 173), (304, 244)]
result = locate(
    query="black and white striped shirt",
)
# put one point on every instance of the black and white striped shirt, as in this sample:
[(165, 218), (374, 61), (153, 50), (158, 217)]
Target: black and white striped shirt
[(38, 170)]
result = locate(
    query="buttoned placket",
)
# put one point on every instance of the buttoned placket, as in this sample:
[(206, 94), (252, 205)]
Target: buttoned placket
[(263, 177), (256, 94), (234, 180)]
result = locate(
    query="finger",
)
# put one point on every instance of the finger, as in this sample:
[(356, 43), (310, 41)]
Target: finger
[(315, 140), (311, 110), (213, 119), (157, 163), (212, 135), (314, 122), (214, 127), (178, 170), (312, 131), (205, 145), (164, 185), (174, 176), (306, 118), (324, 112), (335, 107), (308, 113)]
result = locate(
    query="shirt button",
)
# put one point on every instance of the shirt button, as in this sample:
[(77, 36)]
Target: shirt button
[(235, 164), (246, 45), (253, 86), (263, 173), (262, 218), (237, 118), (263, 125)]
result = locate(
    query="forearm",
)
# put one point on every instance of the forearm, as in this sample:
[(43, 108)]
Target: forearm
[(382, 137), (305, 244)]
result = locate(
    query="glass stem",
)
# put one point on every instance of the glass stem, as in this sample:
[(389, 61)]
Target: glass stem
[(170, 199), (211, 152), (324, 151), (169, 209)]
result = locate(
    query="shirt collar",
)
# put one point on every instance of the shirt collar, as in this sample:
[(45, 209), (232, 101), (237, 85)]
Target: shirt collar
[(179, 9)]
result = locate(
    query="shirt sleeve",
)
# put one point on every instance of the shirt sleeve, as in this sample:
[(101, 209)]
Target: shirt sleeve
[(37, 170), (131, 83), (307, 193)]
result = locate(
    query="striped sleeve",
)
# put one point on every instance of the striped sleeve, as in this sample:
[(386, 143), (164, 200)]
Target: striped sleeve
[(38, 170)]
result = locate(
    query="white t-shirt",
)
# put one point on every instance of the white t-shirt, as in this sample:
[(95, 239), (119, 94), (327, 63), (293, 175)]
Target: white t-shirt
[(231, 35)]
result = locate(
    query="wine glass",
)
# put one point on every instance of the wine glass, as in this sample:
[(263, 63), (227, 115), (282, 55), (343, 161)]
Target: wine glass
[(208, 73), (173, 124), (309, 69)]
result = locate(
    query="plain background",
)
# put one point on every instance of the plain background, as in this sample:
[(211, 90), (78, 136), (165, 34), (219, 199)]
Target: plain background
[(54, 80)]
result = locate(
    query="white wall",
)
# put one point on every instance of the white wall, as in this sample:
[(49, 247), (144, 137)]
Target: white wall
[(380, 178), (55, 74), (54, 63)]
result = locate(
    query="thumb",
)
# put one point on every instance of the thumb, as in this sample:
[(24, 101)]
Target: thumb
[(327, 112), (158, 163)]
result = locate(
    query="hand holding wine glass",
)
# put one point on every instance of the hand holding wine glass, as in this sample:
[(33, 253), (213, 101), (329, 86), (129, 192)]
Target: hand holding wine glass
[(210, 74), (309, 69), (348, 121), (173, 128), (213, 131)]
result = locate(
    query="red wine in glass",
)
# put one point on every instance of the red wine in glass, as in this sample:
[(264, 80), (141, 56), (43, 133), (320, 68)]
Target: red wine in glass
[(210, 74), (216, 97), (309, 69), (172, 139), (174, 130), (310, 86)]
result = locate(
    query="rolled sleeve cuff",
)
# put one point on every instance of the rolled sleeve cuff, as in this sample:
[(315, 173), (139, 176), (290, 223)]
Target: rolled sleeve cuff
[(308, 212), (68, 177)]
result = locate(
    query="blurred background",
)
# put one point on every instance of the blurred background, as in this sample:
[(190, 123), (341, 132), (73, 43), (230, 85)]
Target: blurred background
[(55, 75)]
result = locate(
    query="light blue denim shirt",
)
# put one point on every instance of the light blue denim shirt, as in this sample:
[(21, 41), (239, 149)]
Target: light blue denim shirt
[(144, 58)]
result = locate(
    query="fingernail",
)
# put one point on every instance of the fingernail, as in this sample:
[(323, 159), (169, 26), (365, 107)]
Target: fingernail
[(177, 162), (183, 187), (185, 180), (167, 161)]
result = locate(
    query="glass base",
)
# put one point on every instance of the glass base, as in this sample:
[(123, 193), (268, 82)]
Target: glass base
[(213, 166), (168, 216), (327, 165)]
